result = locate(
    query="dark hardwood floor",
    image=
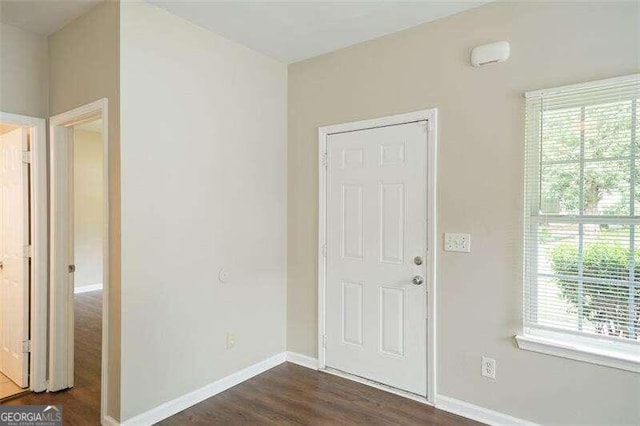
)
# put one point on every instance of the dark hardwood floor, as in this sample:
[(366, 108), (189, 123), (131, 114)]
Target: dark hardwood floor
[(290, 394), (81, 404), (287, 394)]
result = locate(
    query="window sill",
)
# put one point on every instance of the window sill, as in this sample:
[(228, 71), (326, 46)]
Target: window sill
[(580, 351)]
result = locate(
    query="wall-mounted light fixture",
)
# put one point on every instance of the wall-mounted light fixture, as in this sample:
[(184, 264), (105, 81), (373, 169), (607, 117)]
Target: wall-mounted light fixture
[(490, 53)]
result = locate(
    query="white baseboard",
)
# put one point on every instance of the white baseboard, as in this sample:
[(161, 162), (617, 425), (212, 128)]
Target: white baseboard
[(183, 402), (477, 413), (302, 360), (87, 288), (109, 421)]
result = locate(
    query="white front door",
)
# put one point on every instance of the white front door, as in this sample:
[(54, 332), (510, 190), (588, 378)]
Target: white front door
[(14, 239), (376, 246)]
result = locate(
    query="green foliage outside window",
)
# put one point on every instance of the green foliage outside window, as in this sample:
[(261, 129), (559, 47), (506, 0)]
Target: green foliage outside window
[(605, 305), (605, 140)]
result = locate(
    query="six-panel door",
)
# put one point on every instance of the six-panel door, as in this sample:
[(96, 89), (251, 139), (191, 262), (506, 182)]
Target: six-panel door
[(14, 274), (376, 227)]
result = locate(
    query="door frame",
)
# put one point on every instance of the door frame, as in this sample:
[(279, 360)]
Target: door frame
[(39, 247), (431, 117), (61, 317)]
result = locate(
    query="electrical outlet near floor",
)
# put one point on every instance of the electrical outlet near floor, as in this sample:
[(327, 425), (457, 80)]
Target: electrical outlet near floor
[(488, 367), (231, 340), (457, 242)]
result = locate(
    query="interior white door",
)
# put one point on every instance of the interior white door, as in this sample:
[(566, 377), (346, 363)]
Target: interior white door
[(61, 314), (376, 293), (14, 274)]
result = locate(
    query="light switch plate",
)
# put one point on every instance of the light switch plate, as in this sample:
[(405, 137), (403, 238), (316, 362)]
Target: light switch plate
[(457, 242)]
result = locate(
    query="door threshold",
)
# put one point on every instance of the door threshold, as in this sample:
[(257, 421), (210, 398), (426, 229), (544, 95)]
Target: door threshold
[(377, 385), (21, 392)]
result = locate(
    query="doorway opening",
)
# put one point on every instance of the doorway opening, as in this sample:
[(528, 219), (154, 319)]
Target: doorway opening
[(376, 253), (14, 266), (79, 252), (86, 241), (23, 251)]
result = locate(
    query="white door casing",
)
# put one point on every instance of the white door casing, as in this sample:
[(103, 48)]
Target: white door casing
[(61, 315), (376, 224), (14, 255)]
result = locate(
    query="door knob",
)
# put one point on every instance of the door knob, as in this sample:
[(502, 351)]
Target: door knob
[(72, 269), (417, 280)]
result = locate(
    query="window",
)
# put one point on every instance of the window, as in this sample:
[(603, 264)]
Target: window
[(582, 222)]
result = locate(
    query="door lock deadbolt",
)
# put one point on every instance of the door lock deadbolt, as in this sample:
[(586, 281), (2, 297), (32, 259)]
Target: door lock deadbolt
[(417, 260)]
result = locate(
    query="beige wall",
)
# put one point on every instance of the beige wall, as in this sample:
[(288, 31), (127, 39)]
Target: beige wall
[(23, 72), (84, 67), (88, 208), (480, 173), (203, 190)]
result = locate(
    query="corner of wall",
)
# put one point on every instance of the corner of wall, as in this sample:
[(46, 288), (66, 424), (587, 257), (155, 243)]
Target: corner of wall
[(83, 65)]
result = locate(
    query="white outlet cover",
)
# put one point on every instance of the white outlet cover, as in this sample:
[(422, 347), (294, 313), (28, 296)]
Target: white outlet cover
[(231, 340), (488, 367), (457, 242)]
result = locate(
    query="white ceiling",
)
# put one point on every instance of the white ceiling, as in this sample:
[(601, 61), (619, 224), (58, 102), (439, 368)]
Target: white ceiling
[(296, 30), (43, 17), (288, 31)]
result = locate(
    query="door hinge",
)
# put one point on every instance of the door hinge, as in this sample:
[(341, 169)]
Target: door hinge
[(26, 157), (28, 251), (26, 346), (324, 160), (324, 250), (324, 340)]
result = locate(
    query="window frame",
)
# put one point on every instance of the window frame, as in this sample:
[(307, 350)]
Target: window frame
[(603, 350)]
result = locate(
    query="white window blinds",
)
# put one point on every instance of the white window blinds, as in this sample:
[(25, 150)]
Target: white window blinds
[(582, 210)]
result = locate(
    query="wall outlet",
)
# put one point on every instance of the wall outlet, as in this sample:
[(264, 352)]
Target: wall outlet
[(488, 367), (223, 276), (231, 340), (457, 242)]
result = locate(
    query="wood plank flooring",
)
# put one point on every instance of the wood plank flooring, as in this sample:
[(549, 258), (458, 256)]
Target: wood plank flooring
[(292, 395), (81, 404), (9, 389), (285, 395)]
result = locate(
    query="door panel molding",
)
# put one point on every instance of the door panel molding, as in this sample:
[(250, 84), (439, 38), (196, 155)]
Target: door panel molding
[(390, 156)]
